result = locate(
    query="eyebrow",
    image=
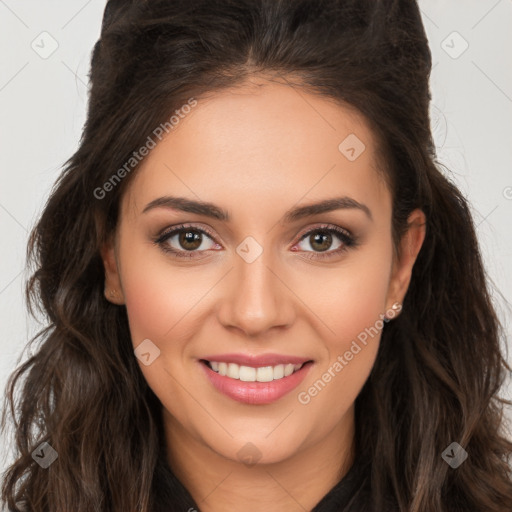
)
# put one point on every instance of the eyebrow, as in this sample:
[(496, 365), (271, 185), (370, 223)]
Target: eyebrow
[(215, 212)]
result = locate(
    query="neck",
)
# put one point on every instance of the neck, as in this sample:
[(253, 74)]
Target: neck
[(298, 483)]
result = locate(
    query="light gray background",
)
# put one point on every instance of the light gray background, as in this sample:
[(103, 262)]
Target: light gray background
[(43, 104)]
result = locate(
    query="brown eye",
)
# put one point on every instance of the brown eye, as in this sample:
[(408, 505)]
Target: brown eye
[(321, 241), (190, 240), (185, 241)]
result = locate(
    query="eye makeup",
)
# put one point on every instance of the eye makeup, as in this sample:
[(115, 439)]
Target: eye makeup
[(327, 232)]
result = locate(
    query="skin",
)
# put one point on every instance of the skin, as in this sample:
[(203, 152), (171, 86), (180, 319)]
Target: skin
[(258, 151)]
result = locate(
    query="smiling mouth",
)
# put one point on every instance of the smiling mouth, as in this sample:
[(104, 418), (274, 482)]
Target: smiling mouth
[(251, 374)]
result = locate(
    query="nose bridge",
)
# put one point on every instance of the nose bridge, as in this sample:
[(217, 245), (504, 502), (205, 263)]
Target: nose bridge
[(256, 300)]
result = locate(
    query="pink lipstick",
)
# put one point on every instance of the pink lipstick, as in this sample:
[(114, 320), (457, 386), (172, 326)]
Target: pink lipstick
[(255, 380)]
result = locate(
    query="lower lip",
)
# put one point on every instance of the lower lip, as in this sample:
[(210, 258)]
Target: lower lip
[(256, 393)]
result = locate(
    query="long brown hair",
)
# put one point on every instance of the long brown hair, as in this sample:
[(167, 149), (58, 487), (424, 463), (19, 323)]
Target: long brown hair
[(439, 369)]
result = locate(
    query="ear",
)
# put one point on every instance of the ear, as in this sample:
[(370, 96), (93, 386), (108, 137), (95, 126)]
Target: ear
[(113, 289), (409, 249)]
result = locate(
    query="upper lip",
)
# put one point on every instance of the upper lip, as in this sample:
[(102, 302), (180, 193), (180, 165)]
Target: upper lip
[(256, 361)]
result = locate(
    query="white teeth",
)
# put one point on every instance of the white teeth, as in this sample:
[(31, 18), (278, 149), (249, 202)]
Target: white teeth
[(265, 374), (247, 374), (250, 374), (279, 371), (288, 369), (233, 371), (223, 368)]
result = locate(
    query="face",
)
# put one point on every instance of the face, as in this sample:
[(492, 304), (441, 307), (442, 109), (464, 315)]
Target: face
[(256, 283)]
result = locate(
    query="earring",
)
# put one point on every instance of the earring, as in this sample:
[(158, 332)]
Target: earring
[(112, 293), (391, 313)]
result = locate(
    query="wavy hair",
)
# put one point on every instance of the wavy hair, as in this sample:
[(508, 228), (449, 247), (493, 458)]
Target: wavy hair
[(440, 366)]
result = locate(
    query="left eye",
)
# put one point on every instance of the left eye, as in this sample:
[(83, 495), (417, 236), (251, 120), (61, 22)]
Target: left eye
[(319, 239)]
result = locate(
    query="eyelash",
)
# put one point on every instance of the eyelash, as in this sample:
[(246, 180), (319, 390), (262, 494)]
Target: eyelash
[(344, 236)]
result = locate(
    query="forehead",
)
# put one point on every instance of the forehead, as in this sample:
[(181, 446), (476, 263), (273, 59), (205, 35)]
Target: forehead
[(261, 145)]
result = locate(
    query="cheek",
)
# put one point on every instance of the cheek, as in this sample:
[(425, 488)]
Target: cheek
[(353, 305), (353, 298), (162, 303), (159, 298)]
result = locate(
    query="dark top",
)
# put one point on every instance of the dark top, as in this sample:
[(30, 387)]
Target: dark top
[(350, 494)]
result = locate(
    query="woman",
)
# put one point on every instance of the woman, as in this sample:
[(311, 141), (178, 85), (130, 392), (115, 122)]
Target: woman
[(262, 292)]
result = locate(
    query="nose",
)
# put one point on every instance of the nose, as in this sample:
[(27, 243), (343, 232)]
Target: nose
[(256, 299)]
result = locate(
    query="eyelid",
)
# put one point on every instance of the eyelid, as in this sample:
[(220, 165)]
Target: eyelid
[(178, 227), (325, 226), (209, 232), (345, 236)]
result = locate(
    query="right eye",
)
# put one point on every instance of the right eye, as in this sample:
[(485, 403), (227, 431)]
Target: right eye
[(184, 241)]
